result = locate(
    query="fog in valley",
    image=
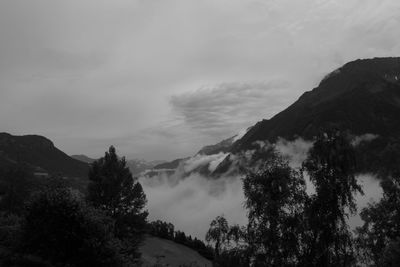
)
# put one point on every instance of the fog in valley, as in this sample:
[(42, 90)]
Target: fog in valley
[(191, 202)]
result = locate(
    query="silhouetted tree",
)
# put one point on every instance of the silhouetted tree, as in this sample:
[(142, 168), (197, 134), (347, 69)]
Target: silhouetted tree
[(15, 189), (274, 198), (331, 167), (162, 229), (378, 238), (113, 189), (61, 229), (218, 233), (391, 254)]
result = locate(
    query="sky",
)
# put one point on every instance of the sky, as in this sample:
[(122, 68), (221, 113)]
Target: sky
[(159, 79)]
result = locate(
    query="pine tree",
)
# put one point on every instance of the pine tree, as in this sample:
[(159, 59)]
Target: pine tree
[(113, 189)]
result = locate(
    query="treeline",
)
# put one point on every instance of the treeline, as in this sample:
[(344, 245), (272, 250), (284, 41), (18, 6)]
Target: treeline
[(167, 231), (288, 227), (45, 223)]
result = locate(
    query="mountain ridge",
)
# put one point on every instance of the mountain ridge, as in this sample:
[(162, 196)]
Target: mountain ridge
[(361, 97), (38, 151)]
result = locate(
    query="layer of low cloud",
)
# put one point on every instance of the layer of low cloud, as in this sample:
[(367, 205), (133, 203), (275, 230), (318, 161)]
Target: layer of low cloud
[(191, 203), (190, 200), (368, 137)]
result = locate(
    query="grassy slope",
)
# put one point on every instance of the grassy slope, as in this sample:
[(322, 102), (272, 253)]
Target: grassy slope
[(156, 250)]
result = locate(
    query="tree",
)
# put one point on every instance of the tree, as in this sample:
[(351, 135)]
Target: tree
[(391, 254), (331, 167), (63, 230), (113, 189), (378, 238), (274, 198), (218, 233), (14, 189), (162, 229)]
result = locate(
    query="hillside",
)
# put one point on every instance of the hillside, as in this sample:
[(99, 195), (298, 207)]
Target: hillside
[(169, 165), (363, 96), (168, 253), (83, 158), (39, 153), (136, 166)]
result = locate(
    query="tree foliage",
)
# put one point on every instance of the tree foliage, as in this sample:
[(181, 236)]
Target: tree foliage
[(378, 238), (274, 198), (63, 230), (288, 227), (15, 190), (218, 233), (331, 168), (113, 189)]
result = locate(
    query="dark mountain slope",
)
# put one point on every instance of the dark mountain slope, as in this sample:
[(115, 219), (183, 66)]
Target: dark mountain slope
[(39, 152), (363, 96), (223, 146), (83, 158), (169, 165)]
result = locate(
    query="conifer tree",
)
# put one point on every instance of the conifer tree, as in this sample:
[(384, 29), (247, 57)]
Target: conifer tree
[(113, 189)]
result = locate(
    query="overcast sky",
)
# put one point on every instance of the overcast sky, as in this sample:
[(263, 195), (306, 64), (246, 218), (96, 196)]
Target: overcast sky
[(161, 78)]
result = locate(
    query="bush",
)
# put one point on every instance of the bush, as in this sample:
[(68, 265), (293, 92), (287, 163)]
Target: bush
[(63, 230)]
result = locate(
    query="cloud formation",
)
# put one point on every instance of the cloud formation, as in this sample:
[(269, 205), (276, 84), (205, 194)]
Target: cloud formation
[(208, 109), (191, 203), (190, 200)]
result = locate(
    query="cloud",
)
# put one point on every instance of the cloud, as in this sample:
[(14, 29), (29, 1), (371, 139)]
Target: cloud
[(191, 203), (296, 151), (372, 192), (190, 200), (198, 160), (208, 109), (368, 137)]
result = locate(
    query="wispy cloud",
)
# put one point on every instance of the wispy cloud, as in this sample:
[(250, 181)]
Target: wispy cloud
[(223, 109)]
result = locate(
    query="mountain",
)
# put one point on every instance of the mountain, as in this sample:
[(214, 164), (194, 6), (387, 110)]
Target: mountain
[(83, 158), (39, 153), (169, 165), (362, 97), (136, 166), (223, 146)]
